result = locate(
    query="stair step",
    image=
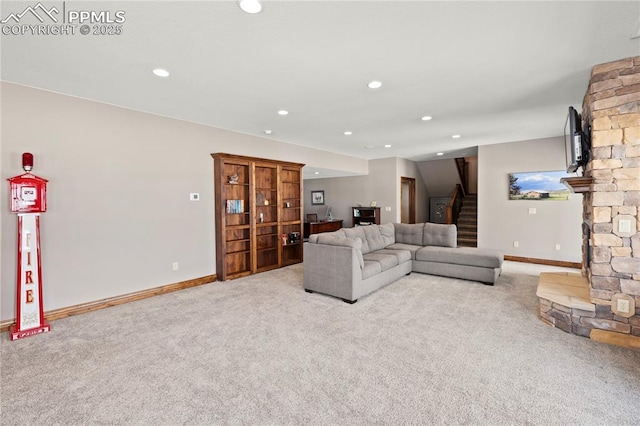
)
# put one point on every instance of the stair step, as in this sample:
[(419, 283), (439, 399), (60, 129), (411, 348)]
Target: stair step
[(467, 221)]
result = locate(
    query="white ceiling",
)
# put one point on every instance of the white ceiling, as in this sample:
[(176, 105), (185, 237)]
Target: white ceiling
[(490, 71)]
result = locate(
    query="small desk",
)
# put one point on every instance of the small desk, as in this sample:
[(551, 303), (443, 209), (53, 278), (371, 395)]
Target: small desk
[(319, 227)]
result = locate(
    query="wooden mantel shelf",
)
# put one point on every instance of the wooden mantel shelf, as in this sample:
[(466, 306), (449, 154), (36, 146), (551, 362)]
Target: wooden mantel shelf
[(578, 184)]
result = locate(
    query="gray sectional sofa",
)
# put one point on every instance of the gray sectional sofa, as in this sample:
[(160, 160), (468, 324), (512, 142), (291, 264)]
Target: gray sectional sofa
[(353, 262)]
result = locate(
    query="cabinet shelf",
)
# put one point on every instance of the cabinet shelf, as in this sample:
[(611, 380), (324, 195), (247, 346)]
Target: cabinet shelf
[(242, 240), (268, 249), (265, 224), (237, 252)]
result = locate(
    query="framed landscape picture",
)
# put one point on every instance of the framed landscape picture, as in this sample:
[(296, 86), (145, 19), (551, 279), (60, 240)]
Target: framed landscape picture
[(543, 186)]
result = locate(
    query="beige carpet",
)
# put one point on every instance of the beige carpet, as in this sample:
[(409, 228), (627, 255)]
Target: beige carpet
[(259, 350)]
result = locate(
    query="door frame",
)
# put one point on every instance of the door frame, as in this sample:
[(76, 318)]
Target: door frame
[(412, 198)]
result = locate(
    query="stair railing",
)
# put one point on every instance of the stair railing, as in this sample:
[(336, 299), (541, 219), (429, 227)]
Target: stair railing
[(455, 204), (462, 166)]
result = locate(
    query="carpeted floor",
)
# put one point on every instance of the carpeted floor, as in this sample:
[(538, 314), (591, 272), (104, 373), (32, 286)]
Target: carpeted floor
[(259, 350)]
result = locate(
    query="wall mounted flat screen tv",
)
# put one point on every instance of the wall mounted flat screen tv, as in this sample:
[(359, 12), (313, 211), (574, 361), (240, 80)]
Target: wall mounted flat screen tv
[(576, 142)]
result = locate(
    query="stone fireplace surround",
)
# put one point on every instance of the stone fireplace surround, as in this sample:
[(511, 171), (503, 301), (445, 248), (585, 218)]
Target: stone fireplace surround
[(605, 299)]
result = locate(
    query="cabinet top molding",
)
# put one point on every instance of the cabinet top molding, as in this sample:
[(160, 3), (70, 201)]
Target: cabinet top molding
[(254, 159)]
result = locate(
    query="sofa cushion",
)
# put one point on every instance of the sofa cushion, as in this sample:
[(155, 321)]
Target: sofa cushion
[(472, 256), (374, 237), (411, 248), (313, 238), (388, 232), (357, 232), (401, 255), (409, 233), (370, 269), (386, 261), (331, 240), (436, 234)]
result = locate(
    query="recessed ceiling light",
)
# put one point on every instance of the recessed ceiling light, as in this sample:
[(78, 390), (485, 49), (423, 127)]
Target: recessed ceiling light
[(283, 112), (268, 132), (250, 6), (426, 118), (387, 146), (456, 136), (369, 147), (348, 133), (316, 173), (375, 84), (440, 153), (161, 72)]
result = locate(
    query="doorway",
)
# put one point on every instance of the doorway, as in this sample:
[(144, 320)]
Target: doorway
[(407, 200)]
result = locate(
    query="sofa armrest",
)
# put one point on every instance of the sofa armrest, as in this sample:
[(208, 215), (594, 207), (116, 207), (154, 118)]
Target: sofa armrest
[(331, 269)]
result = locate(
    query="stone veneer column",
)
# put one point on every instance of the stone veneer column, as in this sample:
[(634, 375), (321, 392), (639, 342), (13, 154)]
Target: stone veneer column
[(612, 107)]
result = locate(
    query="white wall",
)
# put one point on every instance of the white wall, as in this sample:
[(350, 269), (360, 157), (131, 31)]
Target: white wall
[(118, 201), (342, 193), (441, 176), (501, 221), (472, 174), (410, 169), (382, 185)]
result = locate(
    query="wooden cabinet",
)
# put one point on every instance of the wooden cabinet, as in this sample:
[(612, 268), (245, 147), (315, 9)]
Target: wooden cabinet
[(320, 227), (291, 213), (258, 214), (365, 216)]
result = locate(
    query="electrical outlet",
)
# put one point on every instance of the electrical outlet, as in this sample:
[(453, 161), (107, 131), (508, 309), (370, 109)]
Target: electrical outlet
[(624, 225), (516, 243), (175, 266), (557, 246), (387, 208), (623, 306), (532, 210)]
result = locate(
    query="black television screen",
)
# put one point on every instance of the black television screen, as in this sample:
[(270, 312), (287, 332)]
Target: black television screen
[(573, 140)]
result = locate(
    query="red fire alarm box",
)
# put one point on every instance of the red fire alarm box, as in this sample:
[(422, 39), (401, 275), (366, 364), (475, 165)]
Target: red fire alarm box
[(28, 194)]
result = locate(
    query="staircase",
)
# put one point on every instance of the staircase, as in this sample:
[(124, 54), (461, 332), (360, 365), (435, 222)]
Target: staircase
[(468, 222)]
